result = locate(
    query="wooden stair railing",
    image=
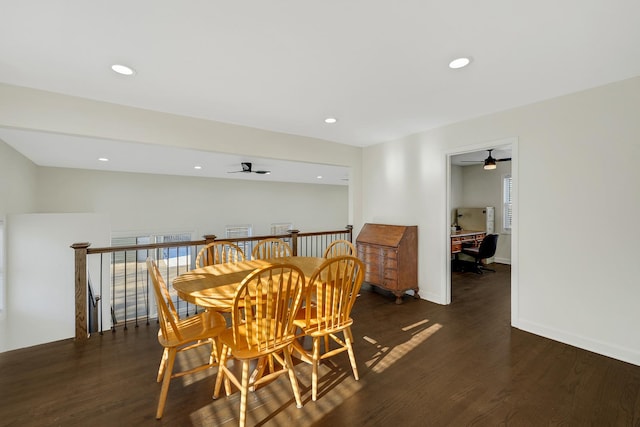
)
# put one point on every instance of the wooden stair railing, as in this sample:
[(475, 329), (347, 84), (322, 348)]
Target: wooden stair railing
[(313, 242)]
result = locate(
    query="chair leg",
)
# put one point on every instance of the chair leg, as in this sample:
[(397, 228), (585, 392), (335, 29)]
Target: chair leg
[(163, 364), (292, 376), (476, 267), (244, 389), (171, 357), (214, 357), (348, 338), (221, 374), (315, 361), (481, 267)]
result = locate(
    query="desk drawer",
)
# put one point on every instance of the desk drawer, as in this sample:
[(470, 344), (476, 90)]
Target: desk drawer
[(390, 274)]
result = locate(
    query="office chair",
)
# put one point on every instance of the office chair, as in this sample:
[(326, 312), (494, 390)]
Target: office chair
[(487, 249)]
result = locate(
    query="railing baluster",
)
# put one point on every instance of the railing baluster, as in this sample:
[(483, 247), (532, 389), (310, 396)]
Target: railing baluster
[(125, 291), (113, 292), (136, 291), (146, 288), (100, 306)]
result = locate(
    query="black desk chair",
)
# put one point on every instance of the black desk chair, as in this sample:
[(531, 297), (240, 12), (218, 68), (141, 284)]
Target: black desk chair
[(487, 249)]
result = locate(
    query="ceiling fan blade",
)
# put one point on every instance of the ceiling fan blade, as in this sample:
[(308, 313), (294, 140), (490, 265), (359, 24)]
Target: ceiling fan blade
[(506, 159), (247, 168)]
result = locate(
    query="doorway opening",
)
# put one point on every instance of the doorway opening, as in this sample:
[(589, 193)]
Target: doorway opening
[(477, 179)]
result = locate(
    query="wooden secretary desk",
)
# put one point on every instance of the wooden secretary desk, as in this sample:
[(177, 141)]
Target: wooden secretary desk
[(390, 256)]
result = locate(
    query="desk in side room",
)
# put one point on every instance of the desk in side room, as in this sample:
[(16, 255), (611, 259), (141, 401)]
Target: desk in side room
[(466, 238)]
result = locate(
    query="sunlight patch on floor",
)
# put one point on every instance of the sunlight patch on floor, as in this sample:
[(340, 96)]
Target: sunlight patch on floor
[(387, 356), (415, 325)]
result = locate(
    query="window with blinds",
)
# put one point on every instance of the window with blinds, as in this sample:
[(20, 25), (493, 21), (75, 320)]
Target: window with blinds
[(507, 213), (281, 227), (278, 228), (239, 231), (177, 254)]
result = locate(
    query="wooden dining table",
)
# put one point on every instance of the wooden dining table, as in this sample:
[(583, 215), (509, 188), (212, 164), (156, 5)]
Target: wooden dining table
[(214, 286)]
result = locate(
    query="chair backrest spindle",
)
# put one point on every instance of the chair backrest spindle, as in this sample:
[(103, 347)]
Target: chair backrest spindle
[(333, 289), (271, 248), (265, 306), (219, 252), (167, 313), (339, 248)]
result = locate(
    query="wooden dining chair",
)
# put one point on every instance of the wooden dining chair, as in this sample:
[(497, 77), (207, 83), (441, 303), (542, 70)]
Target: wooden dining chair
[(219, 252), (264, 308), (271, 248), (338, 248), (331, 293), (177, 335)]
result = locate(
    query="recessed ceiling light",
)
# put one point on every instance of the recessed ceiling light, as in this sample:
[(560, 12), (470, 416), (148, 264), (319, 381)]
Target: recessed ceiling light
[(459, 63), (122, 69), (330, 120), (103, 159), (197, 167), (319, 176)]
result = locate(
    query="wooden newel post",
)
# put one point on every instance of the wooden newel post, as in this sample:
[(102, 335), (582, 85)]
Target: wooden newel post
[(209, 238), (81, 290), (350, 228), (294, 241)]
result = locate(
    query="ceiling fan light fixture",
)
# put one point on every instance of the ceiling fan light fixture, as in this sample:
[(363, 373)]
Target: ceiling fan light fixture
[(489, 164)]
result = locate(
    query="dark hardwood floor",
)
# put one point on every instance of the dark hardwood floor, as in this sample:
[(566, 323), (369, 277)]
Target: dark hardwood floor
[(421, 364)]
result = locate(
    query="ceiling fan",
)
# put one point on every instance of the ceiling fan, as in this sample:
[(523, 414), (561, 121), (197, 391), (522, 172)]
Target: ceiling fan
[(246, 168), (490, 161)]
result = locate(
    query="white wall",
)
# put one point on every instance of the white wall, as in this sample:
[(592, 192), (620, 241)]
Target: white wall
[(40, 275), (457, 182), (17, 194), (17, 181), (33, 109), (162, 203), (576, 177)]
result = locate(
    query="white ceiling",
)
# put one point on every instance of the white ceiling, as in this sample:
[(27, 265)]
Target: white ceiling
[(380, 67), (67, 151)]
